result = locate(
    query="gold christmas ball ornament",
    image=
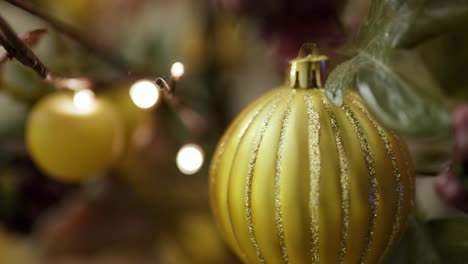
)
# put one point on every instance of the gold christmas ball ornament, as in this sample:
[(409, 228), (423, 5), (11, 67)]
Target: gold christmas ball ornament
[(74, 137), (296, 179)]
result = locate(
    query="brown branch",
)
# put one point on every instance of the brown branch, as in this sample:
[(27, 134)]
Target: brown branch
[(28, 58), (111, 59), (192, 120), (30, 38), (428, 172), (6, 56), (19, 50)]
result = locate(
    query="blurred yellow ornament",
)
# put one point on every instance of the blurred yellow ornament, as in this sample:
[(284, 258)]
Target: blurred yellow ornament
[(72, 11), (139, 128), (192, 45), (229, 39), (133, 117), (225, 43), (296, 179), (73, 137), (17, 250), (195, 230)]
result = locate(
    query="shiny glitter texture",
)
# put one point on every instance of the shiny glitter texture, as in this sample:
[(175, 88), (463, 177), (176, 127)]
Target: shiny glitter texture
[(314, 167), (344, 179)]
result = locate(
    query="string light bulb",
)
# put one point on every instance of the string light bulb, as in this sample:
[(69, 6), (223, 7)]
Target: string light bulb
[(84, 100), (144, 94), (177, 70), (190, 159)]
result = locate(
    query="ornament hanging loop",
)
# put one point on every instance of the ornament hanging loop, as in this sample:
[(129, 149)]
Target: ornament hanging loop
[(308, 69)]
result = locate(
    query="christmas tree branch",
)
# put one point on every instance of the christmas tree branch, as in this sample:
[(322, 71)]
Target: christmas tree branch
[(30, 38), (111, 59), (16, 48)]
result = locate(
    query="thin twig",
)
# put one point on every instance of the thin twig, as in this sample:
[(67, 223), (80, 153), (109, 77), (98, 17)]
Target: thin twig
[(426, 173), (111, 59), (4, 57), (27, 57), (18, 49), (30, 38), (186, 114)]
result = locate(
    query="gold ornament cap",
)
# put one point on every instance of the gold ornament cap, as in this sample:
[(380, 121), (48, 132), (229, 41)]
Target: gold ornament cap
[(308, 69)]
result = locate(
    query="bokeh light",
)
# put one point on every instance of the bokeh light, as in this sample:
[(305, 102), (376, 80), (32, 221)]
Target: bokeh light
[(144, 93), (84, 100), (177, 70), (190, 159)]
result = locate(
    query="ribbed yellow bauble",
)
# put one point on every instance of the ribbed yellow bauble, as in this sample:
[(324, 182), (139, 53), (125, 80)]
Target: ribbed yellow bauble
[(296, 179)]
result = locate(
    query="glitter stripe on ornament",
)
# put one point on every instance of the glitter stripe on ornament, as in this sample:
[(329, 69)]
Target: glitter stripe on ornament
[(373, 183), (400, 191), (248, 189), (344, 179), (279, 159), (241, 135), (314, 167), (408, 171), (396, 172)]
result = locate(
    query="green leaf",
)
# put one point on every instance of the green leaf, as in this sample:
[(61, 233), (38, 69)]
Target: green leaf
[(432, 19), (409, 64), (339, 79), (397, 104)]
